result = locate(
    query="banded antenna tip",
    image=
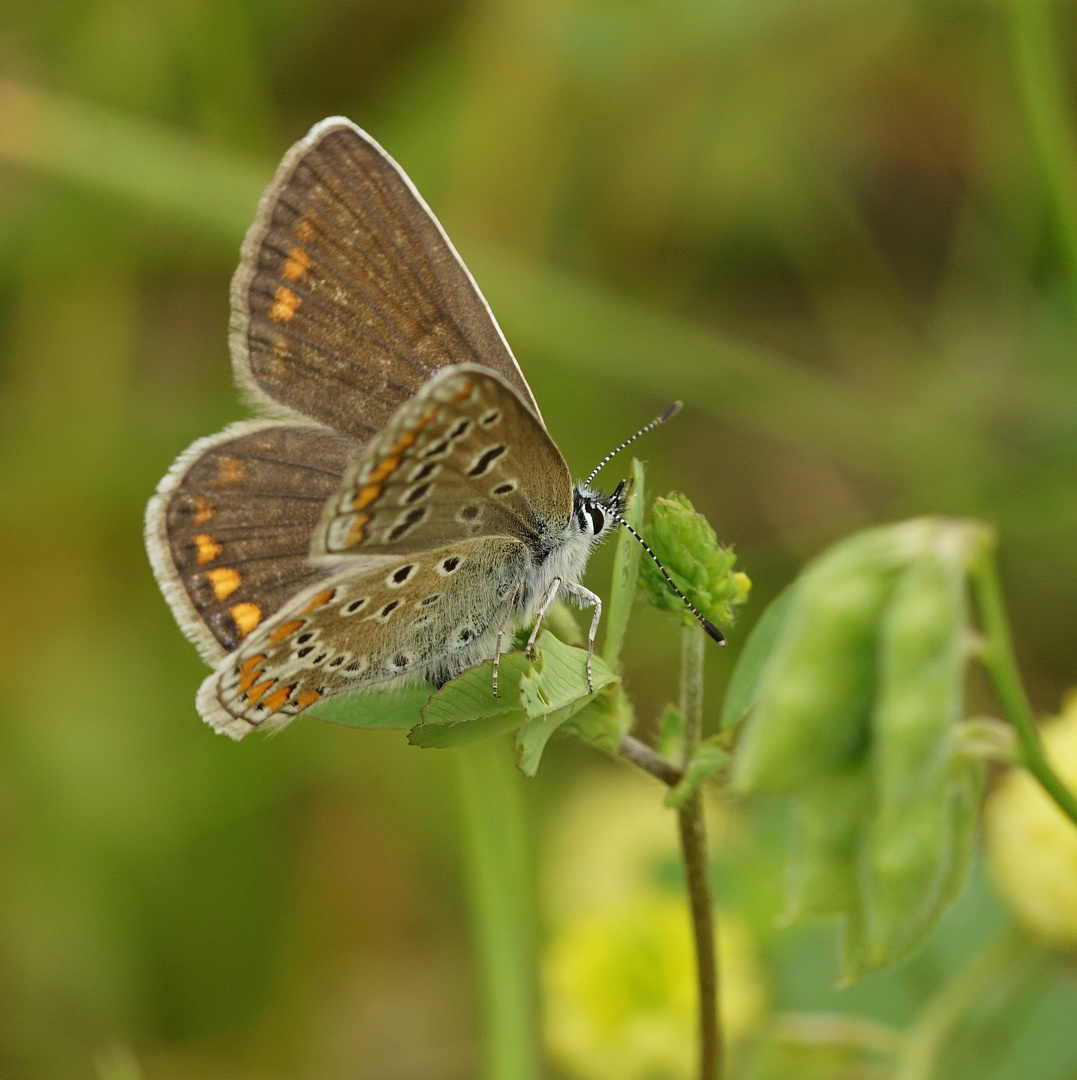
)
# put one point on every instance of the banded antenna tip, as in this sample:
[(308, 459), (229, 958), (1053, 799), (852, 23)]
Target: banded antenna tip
[(667, 415)]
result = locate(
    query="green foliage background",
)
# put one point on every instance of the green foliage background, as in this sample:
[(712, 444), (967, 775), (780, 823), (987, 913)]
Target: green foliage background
[(845, 233)]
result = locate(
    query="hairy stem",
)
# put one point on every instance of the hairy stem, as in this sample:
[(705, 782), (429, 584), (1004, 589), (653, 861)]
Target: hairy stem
[(998, 658), (694, 853)]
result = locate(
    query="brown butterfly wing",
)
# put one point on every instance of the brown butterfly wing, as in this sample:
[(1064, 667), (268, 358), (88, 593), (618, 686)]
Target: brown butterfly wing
[(375, 624), (228, 532), (349, 295), (464, 458)]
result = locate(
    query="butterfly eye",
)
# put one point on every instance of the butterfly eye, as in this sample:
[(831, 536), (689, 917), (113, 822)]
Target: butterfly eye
[(597, 520)]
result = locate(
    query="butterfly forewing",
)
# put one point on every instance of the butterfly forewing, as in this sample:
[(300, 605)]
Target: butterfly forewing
[(464, 458), (349, 295), (374, 625), (229, 529)]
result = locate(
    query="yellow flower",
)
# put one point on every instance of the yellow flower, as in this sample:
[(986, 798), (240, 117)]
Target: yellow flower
[(619, 968), (1032, 845), (621, 991)]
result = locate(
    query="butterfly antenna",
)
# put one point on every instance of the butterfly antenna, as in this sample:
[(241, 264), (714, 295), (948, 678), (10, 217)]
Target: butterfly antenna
[(703, 621), (667, 415)]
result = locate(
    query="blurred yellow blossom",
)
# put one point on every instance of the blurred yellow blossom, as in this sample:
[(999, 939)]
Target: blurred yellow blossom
[(1032, 846), (621, 995), (619, 968)]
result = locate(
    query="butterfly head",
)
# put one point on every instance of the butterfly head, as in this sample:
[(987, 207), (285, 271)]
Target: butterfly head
[(595, 514)]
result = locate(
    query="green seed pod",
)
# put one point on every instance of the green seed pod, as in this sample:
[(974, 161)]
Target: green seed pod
[(702, 570), (853, 699), (922, 654), (824, 852), (813, 699), (915, 868), (913, 849)]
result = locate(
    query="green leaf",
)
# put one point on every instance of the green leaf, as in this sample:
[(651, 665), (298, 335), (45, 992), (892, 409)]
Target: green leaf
[(465, 709), (626, 559), (552, 692), (671, 733), (756, 652), (602, 720), (388, 709), (709, 756), (462, 732)]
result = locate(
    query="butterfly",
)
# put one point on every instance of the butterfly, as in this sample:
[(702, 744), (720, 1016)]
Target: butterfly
[(404, 508)]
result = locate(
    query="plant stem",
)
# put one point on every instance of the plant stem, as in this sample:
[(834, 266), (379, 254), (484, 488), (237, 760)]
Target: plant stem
[(498, 892), (1041, 76), (642, 756), (998, 658), (696, 865)]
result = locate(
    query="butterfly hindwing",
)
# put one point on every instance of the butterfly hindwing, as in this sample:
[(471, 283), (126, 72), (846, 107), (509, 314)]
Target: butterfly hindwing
[(349, 295), (464, 458), (377, 623), (229, 530)]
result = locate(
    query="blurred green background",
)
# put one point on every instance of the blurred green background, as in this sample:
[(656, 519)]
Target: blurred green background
[(845, 233)]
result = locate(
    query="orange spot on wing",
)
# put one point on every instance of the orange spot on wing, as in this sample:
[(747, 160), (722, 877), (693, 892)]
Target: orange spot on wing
[(249, 678), (225, 581), (277, 698), (305, 230), (230, 471), (284, 304), (386, 467), (252, 662), (208, 549), (296, 265), (254, 694), (407, 439), (320, 600), (355, 533), (246, 617), (285, 630), (203, 510), (464, 393), (366, 496), (308, 697)]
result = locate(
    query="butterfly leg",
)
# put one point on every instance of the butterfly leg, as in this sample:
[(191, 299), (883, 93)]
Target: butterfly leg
[(585, 596), (501, 634), (547, 600)]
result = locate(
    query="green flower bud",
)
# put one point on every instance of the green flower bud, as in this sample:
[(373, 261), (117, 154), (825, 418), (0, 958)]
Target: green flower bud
[(701, 569)]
